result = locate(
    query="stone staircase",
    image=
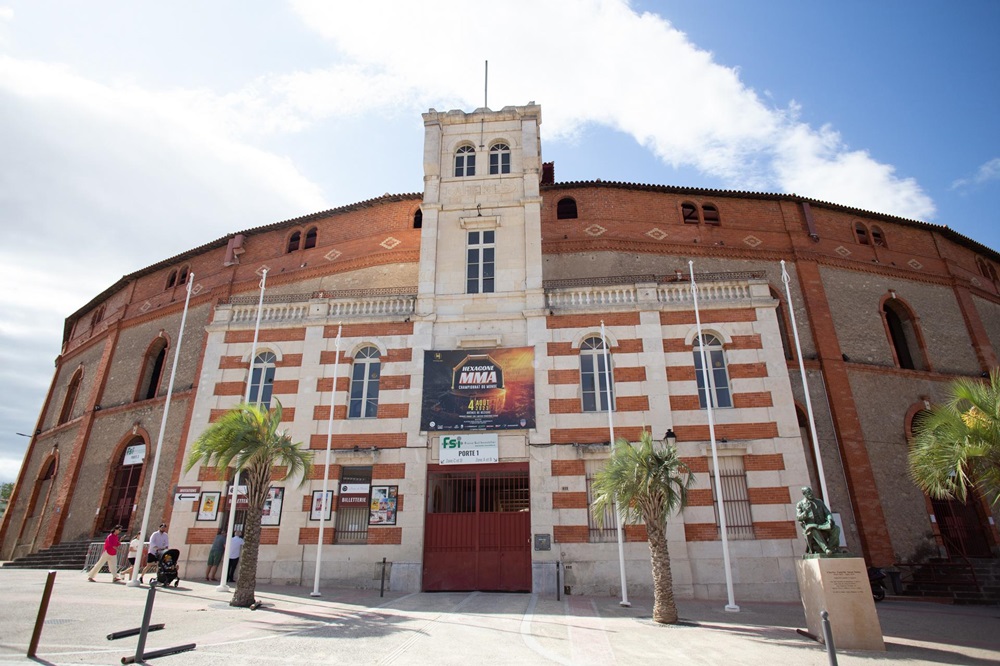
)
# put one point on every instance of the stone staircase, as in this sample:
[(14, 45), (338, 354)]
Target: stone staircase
[(68, 555), (974, 581)]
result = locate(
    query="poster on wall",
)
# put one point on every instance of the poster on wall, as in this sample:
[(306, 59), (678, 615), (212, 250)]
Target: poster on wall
[(316, 506), (383, 505), (208, 506), (271, 514), (479, 389)]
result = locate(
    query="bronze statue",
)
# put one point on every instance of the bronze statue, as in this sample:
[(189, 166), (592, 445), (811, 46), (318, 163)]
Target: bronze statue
[(821, 532)]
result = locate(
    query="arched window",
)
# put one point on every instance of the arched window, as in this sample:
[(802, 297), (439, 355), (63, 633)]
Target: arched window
[(903, 335), (594, 376), (364, 384), (262, 379), (878, 238), (465, 162), (152, 370), (124, 486), (718, 375), (689, 213), (710, 214), (182, 277), (499, 159), (566, 209), (97, 317), (293, 242), (71, 393), (861, 233), (172, 279), (311, 235), (418, 219)]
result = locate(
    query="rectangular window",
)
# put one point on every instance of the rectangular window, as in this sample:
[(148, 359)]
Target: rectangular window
[(608, 531), (733, 477), (594, 382), (260, 394), (718, 377), (353, 505), (480, 262)]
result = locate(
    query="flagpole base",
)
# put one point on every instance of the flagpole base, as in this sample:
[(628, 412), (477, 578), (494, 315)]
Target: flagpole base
[(223, 588), (133, 582), (625, 604), (315, 594), (732, 608)]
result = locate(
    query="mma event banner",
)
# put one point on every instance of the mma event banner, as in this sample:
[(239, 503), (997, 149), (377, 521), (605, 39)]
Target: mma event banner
[(479, 389)]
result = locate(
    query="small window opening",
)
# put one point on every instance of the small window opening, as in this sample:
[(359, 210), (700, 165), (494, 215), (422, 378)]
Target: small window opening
[(310, 239), (293, 241), (878, 238), (566, 209), (418, 219), (861, 233), (689, 213), (710, 214), (171, 279)]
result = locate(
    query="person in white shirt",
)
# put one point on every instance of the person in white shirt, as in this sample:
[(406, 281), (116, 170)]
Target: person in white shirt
[(158, 543), (235, 548), (134, 546)]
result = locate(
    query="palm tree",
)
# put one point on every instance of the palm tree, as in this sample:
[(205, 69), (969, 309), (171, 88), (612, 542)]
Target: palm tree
[(647, 481), (247, 438), (957, 444)]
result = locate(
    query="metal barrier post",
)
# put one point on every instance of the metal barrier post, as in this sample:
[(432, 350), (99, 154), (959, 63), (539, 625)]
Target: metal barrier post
[(43, 608), (831, 650), (381, 590)]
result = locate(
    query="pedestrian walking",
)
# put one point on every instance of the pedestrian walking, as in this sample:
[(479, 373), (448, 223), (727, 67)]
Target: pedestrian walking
[(109, 556)]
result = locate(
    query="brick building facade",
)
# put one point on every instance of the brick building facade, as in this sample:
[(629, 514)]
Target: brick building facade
[(494, 257)]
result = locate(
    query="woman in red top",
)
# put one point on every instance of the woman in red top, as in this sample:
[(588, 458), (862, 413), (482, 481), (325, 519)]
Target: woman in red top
[(109, 556)]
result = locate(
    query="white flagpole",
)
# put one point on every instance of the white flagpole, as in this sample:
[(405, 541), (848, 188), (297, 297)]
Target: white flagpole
[(326, 470), (611, 427), (224, 578), (141, 561), (805, 385), (709, 397)]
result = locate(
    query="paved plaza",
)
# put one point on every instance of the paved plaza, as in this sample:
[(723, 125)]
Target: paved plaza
[(347, 626)]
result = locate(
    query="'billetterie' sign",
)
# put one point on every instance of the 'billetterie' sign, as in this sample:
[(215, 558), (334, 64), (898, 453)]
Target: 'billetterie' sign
[(469, 449)]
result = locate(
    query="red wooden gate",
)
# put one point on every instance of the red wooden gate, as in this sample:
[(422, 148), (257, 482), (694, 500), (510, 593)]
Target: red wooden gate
[(478, 529)]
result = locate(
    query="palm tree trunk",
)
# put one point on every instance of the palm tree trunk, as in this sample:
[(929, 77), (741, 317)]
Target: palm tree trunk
[(664, 606), (258, 480)]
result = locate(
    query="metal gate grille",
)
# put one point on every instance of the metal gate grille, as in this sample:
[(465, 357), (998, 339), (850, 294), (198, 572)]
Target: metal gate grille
[(609, 525), (478, 531), (733, 477)]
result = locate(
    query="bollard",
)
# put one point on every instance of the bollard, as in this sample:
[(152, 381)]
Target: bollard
[(125, 633), (43, 608), (144, 628), (831, 650), (558, 586), (381, 590)]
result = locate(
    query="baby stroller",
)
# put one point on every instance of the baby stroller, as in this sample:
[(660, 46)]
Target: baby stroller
[(166, 568)]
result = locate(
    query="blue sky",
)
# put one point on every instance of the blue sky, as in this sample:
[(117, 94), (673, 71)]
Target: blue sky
[(139, 130)]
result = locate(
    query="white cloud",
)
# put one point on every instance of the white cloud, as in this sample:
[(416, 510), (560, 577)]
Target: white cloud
[(601, 63), (989, 171)]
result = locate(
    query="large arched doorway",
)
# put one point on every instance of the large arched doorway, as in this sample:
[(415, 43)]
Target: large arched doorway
[(124, 487)]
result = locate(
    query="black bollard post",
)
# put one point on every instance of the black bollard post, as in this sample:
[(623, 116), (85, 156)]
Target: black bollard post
[(558, 585), (144, 628), (831, 650), (43, 608), (381, 591), (125, 633)]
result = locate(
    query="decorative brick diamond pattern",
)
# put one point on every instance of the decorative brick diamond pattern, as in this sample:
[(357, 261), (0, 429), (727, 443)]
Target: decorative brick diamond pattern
[(656, 234), (976, 282), (390, 243), (914, 264), (196, 289), (752, 241), (145, 307), (332, 255), (594, 230), (843, 251)]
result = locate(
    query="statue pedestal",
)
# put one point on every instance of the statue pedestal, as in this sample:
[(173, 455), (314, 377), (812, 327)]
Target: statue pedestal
[(839, 585)]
